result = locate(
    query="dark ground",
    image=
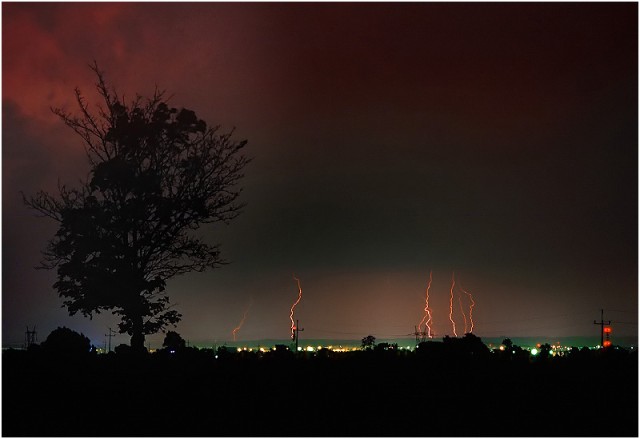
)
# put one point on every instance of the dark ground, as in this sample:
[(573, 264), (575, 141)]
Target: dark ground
[(355, 394)]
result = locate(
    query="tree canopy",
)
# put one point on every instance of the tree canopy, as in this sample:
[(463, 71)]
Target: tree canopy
[(157, 173), (173, 341), (66, 341), (368, 342)]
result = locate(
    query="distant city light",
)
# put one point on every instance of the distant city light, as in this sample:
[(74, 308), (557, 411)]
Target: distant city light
[(534, 351)]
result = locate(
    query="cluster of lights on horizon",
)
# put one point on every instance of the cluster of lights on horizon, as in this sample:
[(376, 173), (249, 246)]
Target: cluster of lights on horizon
[(555, 349)]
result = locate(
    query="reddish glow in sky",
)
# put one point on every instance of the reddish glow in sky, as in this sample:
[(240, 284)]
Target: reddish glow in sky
[(495, 140)]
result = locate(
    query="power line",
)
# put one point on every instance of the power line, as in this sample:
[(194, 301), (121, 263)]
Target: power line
[(558, 316)]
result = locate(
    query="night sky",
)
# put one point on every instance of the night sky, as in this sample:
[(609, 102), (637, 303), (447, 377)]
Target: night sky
[(498, 141)]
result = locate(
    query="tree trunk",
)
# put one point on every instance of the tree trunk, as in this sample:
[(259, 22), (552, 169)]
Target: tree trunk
[(137, 335)]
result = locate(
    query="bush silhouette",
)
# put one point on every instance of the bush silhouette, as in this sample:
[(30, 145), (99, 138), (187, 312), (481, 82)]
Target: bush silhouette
[(66, 341)]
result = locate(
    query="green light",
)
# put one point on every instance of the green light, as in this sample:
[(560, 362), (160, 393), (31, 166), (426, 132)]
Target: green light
[(534, 351)]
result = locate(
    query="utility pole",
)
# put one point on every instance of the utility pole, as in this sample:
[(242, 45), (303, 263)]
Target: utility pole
[(110, 334), (602, 323), (296, 334)]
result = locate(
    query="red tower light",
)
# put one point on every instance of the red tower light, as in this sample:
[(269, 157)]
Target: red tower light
[(607, 333)]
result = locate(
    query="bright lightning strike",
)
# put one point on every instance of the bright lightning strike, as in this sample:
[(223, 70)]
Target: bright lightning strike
[(470, 308), (244, 316), (463, 314), (293, 325), (453, 324), (427, 311)]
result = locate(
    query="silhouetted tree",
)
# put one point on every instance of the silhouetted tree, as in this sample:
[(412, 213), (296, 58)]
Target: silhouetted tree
[(66, 341), (545, 351), (173, 341), (157, 173), (474, 345), (368, 342)]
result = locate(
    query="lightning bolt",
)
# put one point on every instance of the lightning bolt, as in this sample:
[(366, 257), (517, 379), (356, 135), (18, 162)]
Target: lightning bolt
[(470, 308), (293, 325), (427, 311), (244, 316), (453, 324), (463, 314)]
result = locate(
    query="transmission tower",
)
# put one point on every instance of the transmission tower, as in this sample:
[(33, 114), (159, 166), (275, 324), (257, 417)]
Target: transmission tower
[(602, 328), (30, 337), (420, 335)]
